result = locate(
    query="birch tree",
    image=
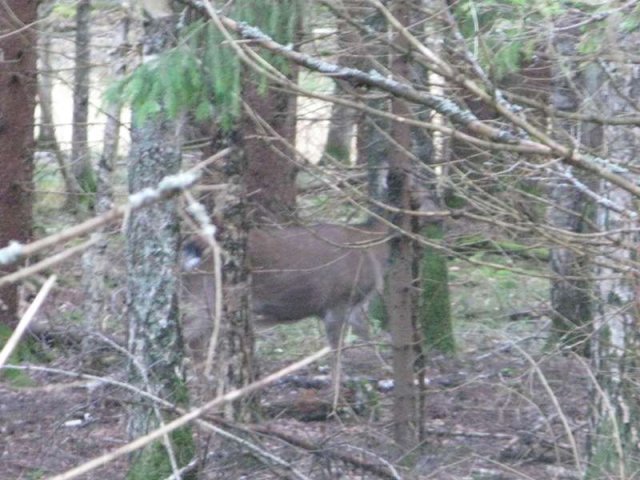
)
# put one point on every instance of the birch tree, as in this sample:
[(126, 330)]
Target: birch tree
[(575, 84), (614, 448)]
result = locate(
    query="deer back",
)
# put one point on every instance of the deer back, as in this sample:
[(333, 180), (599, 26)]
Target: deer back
[(325, 270)]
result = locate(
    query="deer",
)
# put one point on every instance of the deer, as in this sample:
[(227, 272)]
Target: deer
[(325, 270)]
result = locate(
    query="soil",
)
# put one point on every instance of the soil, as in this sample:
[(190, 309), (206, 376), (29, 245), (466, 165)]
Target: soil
[(489, 414)]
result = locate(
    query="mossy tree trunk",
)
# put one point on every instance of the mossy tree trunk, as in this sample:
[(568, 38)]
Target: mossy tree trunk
[(152, 242), (343, 118), (340, 135), (372, 145), (234, 365), (435, 306)]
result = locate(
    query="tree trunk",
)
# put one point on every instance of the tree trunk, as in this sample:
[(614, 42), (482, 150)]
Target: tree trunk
[(340, 135), (47, 137), (270, 176), (95, 261), (614, 448), (400, 298), (18, 87), (434, 313), (152, 242), (80, 158), (343, 119), (571, 287), (435, 308), (372, 145), (234, 364)]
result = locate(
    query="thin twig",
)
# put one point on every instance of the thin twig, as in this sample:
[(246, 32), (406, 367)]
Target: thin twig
[(46, 263), (556, 404), (168, 186)]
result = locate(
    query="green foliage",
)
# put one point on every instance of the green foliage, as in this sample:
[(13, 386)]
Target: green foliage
[(64, 10), (483, 298), (631, 23), (604, 459), (338, 152), (153, 462), (277, 18), (592, 43), (507, 30), (180, 80), (26, 352), (451, 200), (36, 474), (378, 313), (202, 73)]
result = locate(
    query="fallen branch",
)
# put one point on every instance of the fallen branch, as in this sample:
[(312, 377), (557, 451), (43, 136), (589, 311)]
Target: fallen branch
[(88, 381), (189, 417), (386, 470)]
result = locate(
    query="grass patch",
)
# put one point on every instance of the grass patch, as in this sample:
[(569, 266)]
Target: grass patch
[(27, 351), (284, 342), (483, 298)]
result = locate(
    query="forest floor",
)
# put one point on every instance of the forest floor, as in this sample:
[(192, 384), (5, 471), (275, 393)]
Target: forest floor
[(504, 408)]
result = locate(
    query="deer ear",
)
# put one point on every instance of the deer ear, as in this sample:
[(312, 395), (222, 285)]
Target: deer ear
[(192, 253)]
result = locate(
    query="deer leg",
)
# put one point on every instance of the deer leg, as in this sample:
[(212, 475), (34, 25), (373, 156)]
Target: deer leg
[(335, 324), (359, 319)]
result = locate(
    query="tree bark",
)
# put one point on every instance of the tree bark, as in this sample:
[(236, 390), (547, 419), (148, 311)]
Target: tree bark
[(18, 87), (80, 158), (372, 145), (235, 365), (400, 297), (152, 242), (343, 118), (95, 261), (571, 287), (435, 308), (270, 175), (340, 135), (614, 450)]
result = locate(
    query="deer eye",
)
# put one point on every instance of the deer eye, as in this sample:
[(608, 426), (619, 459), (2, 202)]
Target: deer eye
[(191, 256)]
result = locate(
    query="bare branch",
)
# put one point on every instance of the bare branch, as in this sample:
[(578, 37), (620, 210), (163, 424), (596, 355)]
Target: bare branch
[(26, 320), (168, 187)]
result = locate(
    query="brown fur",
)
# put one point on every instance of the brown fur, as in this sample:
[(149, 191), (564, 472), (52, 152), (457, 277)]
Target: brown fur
[(325, 270)]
